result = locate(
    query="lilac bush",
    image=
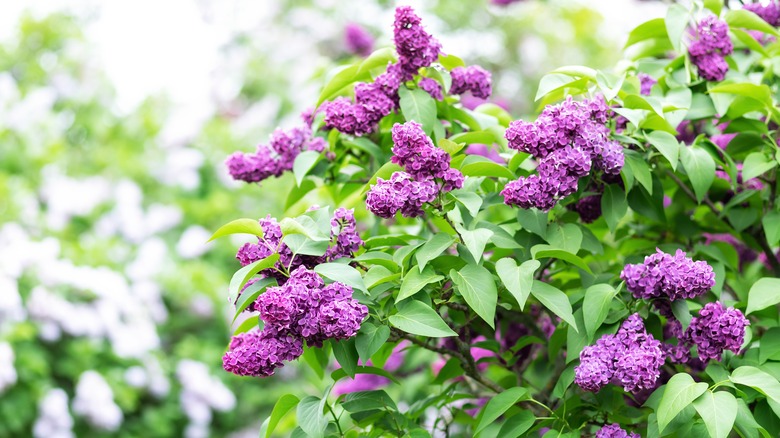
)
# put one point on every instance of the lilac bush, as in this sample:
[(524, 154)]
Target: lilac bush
[(606, 268)]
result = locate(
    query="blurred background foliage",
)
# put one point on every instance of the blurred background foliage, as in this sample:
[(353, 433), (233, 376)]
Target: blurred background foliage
[(98, 197)]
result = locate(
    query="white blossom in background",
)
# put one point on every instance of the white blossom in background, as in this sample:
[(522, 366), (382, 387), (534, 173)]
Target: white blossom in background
[(7, 370), (181, 168), (201, 394), (67, 197), (150, 260), (11, 307), (129, 219), (18, 252), (94, 401), (192, 242), (54, 419)]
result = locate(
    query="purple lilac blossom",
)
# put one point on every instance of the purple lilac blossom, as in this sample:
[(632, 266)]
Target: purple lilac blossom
[(630, 358), (415, 152), (276, 157), (259, 353), (615, 431), (746, 255), (358, 40), (415, 47), (709, 47), (400, 193), (646, 83), (589, 208), (484, 151), (504, 2), (717, 329), (432, 87), (345, 240), (369, 382), (473, 78), (670, 276)]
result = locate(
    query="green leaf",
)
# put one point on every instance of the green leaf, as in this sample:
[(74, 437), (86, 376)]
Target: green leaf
[(552, 82), (478, 288), (475, 241), (714, 5), (317, 359), (250, 294), (679, 393), (498, 405), (470, 200), (554, 299), (609, 84), (718, 410), (482, 137), (748, 20), (771, 223), (370, 339), (379, 58), (303, 225), (450, 61), (700, 168), (770, 345), (342, 273), (303, 163), (533, 220), (676, 22), (547, 251), (487, 168), (760, 93), (340, 373), (640, 169), (518, 280), (763, 293), (652, 29), (346, 354), (433, 248), (239, 226), (666, 144), (756, 164), (598, 299), (310, 416), (419, 319), (613, 205), (419, 106), (517, 425), (567, 237), (281, 408), (762, 382), (415, 280), (345, 76), (243, 275), (368, 401), (681, 312)]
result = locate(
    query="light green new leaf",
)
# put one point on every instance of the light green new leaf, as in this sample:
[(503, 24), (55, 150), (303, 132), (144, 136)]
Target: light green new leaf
[(554, 299), (419, 319), (764, 293), (303, 163), (498, 405), (667, 145), (652, 29), (518, 280), (718, 410), (415, 280), (419, 106), (756, 164), (342, 273), (470, 200), (762, 382), (281, 408), (598, 299), (433, 248), (487, 168), (310, 416), (700, 168), (475, 241), (239, 226), (748, 20), (676, 21), (243, 275), (478, 288), (679, 393)]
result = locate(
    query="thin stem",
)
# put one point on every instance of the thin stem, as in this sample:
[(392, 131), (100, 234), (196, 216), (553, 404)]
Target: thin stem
[(335, 419)]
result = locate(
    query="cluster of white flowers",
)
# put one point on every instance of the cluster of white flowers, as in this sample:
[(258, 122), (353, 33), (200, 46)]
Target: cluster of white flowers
[(94, 401), (54, 419), (201, 394), (7, 370)]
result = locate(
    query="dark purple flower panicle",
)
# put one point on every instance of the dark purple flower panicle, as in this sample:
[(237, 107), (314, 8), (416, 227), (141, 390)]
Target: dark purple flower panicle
[(358, 40), (769, 12), (432, 87), (529, 192), (717, 329), (415, 47), (630, 358), (668, 276), (276, 157), (473, 78), (589, 208), (709, 47), (615, 431), (415, 152), (302, 309), (345, 240)]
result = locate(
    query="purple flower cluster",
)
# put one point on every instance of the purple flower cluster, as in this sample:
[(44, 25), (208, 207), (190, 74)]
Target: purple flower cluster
[(374, 100), (646, 83), (274, 158), (710, 46), (415, 47), (589, 208), (427, 172), (345, 241), (716, 329), (473, 78), (432, 87), (769, 12), (630, 358), (569, 139), (358, 40), (303, 309), (668, 276), (615, 431)]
